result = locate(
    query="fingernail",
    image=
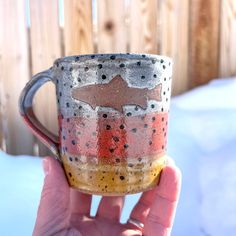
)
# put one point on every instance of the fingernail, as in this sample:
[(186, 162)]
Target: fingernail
[(46, 166)]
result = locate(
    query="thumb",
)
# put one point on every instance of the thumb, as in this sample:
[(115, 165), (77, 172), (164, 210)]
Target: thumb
[(55, 186), (54, 200)]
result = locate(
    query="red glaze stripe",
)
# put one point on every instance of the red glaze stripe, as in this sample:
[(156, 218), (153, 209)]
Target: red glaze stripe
[(109, 136)]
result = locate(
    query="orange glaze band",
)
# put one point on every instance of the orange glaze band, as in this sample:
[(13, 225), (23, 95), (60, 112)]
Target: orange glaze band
[(109, 136)]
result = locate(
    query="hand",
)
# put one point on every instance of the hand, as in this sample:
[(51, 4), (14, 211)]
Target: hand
[(64, 211)]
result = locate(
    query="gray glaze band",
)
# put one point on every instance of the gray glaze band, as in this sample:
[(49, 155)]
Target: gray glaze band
[(139, 70)]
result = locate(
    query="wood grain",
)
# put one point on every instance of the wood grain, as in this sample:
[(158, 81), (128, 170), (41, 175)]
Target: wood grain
[(14, 73), (1, 113), (173, 23), (143, 26), (204, 41), (45, 48), (199, 35), (78, 31), (111, 30), (228, 38)]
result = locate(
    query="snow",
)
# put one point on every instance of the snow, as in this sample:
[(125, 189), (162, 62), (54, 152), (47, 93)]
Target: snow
[(20, 185), (202, 141)]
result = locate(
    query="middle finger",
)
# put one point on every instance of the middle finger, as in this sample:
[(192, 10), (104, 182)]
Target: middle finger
[(111, 207)]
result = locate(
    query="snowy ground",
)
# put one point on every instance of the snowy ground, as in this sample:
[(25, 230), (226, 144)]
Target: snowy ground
[(202, 140)]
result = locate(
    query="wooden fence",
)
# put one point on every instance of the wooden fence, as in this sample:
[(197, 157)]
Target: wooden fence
[(199, 35)]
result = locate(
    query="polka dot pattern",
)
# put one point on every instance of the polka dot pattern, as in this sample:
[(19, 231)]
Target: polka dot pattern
[(120, 137), (106, 151), (116, 179), (145, 72)]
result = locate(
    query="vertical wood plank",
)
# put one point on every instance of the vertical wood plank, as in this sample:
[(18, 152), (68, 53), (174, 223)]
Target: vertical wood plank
[(112, 32), (14, 73), (1, 110), (1, 134), (173, 22), (204, 41), (143, 26), (228, 38), (78, 27), (45, 48)]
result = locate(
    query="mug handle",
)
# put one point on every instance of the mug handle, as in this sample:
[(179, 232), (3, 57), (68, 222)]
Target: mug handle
[(26, 111)]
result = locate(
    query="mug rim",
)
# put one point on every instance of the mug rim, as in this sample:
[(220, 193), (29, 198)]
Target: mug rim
[(114, 57)]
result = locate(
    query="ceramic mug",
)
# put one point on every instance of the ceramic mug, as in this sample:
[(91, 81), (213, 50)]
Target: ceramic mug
[(113, 116)]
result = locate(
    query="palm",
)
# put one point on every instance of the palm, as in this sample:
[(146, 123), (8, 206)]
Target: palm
[(101, 226), (64, 211)]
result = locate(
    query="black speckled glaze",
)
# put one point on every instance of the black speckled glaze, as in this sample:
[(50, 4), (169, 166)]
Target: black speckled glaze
[(106, 148)]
